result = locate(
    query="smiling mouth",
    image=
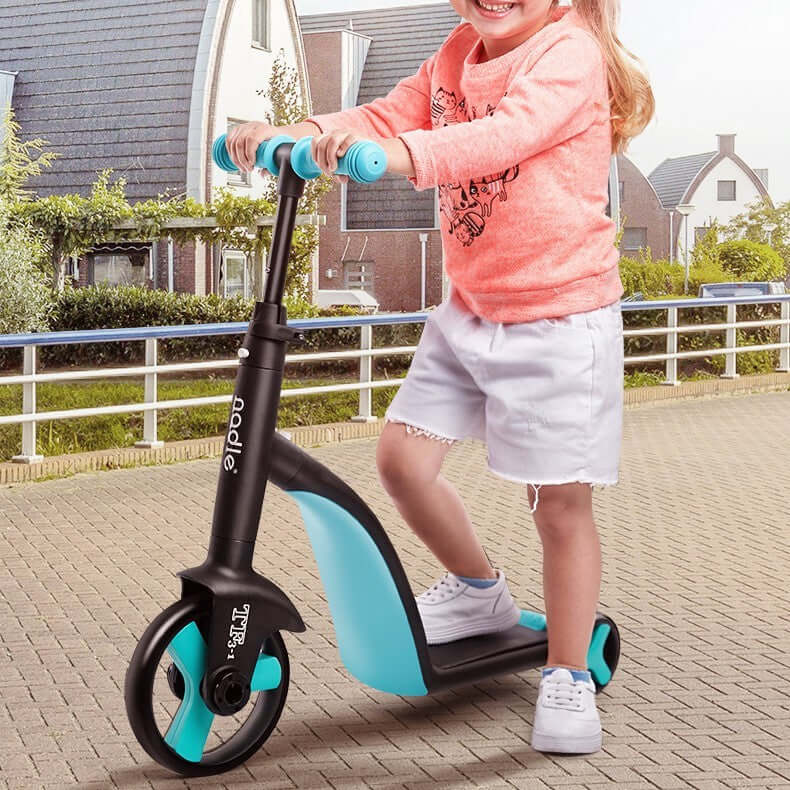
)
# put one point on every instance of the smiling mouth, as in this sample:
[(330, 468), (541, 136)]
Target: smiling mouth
[(492, 9)]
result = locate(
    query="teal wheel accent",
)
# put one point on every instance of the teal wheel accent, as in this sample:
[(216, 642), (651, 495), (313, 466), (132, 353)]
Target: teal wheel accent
[(604, 652), (191, 725), (178, 631)]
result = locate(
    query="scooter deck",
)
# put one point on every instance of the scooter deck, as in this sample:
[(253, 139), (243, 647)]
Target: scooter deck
[(488, 647)]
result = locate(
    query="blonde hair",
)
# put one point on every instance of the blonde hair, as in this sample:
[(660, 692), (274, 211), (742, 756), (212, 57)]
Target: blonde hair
[(630, 95)]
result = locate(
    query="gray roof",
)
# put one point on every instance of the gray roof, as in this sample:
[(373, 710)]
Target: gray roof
[(672, 178), (402, 38), (108, 83)]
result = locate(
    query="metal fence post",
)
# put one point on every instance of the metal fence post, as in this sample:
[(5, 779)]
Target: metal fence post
[(29, 455), (730, 366), (365, 377), (672, 348), (150, 417), (784, 337)]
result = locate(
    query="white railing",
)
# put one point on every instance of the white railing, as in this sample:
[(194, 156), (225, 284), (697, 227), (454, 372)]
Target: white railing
[(150, 371)]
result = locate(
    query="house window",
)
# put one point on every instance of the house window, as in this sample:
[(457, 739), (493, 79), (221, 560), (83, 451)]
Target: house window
[(727, 190), (700, 234), (261, 24), (238, 179), (622, 192), (119, 266), (358, 274), (234, 276), (634, 239)]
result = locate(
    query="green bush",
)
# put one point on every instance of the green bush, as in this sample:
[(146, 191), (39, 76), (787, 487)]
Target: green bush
[(24, 293), (662, 279), (649, 277), (750, 261), (106, 307)]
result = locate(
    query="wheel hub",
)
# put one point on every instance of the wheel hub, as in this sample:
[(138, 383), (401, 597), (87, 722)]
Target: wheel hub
[(228, 692)]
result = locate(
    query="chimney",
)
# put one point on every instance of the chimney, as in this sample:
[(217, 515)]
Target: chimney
[(726, 143)]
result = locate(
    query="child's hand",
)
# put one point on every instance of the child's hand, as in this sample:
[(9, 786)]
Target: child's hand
[(243, 141), (328, 148)]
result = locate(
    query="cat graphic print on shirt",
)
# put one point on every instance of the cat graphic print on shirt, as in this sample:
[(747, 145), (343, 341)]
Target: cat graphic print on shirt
[(467, 204)]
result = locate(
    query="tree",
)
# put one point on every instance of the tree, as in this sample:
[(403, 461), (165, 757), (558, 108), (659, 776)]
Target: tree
[(753, 225), (288, 106), (751, 261), (17, 164), (24, 294)]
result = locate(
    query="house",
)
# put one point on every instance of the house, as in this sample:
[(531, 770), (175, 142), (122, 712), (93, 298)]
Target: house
[(382, 237), (645, 220), (718, 184), (144, 88)]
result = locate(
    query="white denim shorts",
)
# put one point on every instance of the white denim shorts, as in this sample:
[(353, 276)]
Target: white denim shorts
[(546, 396)]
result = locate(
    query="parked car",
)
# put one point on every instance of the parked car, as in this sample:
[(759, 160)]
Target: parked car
[(741, 289)]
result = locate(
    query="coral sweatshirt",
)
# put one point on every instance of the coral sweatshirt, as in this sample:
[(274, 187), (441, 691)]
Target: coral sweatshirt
[(519, 147)]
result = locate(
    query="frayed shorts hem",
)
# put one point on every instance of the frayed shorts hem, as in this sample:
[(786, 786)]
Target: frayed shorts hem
[(421, 430), (534, 482)]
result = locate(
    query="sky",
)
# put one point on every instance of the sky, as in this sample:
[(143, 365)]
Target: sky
[(716, 67)]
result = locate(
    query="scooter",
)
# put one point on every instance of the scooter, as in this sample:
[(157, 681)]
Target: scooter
[(224, 635)]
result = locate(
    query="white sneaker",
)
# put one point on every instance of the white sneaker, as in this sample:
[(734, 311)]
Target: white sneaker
[(452, 609), (566, 719)]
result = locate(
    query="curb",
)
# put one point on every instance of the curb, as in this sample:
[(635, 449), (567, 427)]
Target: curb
[(317, 435)]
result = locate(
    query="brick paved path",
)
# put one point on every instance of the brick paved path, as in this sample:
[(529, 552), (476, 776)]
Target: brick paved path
[(695, 540)]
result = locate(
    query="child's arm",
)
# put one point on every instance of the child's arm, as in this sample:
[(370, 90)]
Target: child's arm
[(560, 97), (407, 106)]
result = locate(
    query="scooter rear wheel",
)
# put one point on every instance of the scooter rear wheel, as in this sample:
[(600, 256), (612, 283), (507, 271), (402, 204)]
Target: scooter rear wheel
[(178, 628)]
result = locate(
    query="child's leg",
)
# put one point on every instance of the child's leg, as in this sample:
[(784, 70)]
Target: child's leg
[(571, 569), (409, 466)]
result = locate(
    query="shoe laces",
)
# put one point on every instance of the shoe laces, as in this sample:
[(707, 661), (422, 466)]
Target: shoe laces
[(568, 695), (439, 590)]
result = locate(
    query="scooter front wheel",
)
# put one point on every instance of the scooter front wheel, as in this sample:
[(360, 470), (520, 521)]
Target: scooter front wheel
[(193, 743)]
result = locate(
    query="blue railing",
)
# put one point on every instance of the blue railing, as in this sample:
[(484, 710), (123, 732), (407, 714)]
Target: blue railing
[(151, 370)]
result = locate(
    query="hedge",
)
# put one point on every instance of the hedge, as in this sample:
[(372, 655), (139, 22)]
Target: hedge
[(106, 307)]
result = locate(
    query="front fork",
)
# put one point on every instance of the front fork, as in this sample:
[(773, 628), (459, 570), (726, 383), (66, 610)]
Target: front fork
[(240, 601)]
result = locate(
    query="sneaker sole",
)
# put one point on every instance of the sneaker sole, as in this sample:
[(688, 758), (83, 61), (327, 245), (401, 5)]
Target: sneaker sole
[(585, 744), (477, 627)]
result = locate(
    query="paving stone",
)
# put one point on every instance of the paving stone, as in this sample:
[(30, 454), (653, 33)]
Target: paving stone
[(696, 562)]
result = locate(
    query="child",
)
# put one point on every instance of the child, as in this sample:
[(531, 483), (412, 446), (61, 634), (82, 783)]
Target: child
[(515, 119)]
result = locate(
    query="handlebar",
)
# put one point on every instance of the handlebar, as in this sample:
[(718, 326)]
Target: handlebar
[(364, 162)]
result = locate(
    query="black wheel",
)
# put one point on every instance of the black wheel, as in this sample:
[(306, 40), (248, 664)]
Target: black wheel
[(195, 743), (604, 651)]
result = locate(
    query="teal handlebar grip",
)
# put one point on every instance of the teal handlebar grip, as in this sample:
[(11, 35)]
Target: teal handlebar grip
[(364, 162), (264, 156)]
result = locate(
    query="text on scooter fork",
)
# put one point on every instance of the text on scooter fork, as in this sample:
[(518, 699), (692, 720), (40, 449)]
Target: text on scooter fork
[(233, 443)]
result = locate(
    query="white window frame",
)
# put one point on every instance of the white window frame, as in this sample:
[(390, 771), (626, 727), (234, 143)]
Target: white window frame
[(237, 255), (734, 198), (238, 179), (266, 7), (628, 249)]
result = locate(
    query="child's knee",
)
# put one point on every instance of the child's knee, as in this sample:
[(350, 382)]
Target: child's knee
[(403, 464), (560, 510)]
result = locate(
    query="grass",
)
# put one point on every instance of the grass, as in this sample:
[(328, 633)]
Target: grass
[(123, 430)]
